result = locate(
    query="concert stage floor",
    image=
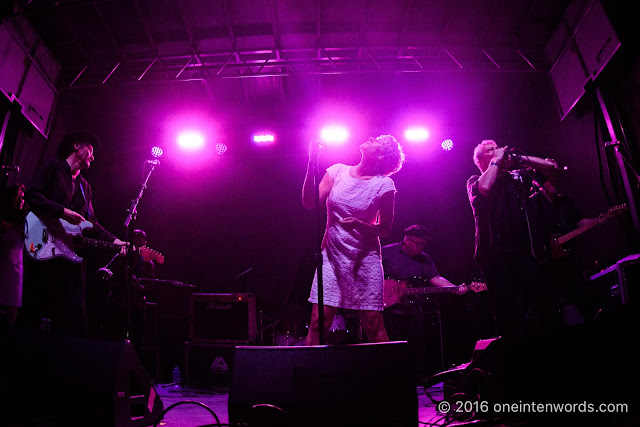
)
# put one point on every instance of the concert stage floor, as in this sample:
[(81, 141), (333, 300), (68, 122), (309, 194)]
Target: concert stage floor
[(195, 414)]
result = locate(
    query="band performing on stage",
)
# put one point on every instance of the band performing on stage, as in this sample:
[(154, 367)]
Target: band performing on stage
[(319, 213), (54, 284), (522, 230)]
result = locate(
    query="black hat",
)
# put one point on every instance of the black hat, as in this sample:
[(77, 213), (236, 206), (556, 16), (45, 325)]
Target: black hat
[(76, 137), (418, 231)]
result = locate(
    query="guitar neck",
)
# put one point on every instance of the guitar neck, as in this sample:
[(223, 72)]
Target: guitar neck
[(430, 290), (575, 233), (578, 231), (95, 243)]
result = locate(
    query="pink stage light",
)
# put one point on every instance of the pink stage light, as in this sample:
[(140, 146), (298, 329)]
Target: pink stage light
[(334, 135), (416, 134), (156, 152), (263, 139), (191, 141), (447, 145)]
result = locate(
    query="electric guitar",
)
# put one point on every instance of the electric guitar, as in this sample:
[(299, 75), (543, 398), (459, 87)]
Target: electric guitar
[(45, 240), (396, 291), (556, 240)]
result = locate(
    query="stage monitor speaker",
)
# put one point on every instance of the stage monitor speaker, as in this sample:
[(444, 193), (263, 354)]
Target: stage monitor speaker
[(347, 385), (52, 380), (593, 363)]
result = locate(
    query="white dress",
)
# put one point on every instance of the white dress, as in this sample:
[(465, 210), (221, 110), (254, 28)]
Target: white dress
[(352, 266)]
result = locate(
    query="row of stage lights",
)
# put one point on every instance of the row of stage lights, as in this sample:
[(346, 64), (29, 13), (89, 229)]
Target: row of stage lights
[(330, 135)]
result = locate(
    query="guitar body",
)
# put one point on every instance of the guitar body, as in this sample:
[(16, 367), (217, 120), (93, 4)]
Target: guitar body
[(556, 249), (394, 292), (52, 239)]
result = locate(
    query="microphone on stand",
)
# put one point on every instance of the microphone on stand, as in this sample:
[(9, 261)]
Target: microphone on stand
[(513, 153)]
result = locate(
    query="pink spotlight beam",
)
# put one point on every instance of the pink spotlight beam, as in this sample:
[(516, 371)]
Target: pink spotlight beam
[(416, 134), (334, 135), (191, 141)]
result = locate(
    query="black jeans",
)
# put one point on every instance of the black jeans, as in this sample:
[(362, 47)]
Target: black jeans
[(523, 296), (403, 322), (54, 290)]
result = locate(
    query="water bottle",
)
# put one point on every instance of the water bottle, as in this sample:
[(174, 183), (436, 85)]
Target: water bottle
[(175, 375)]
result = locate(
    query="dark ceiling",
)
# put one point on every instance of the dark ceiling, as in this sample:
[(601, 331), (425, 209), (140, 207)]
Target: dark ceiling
[(104, 42)]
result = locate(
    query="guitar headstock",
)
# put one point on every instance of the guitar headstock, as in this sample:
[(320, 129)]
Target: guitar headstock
[(617, 209), (474, 286), (151, 255), (478, 286)]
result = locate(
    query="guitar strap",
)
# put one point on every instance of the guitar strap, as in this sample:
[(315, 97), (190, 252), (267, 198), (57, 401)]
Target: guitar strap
[(86, 203)]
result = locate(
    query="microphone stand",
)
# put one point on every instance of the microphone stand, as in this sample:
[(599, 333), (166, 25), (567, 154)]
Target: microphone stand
[(318, 245), (128, 223)]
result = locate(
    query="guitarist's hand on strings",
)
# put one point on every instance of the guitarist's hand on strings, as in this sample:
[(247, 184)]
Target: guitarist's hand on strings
[(123, 249), (72, 217)]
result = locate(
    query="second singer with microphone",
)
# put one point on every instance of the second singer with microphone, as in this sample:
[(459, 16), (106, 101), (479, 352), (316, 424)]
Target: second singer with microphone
[(510, 237)]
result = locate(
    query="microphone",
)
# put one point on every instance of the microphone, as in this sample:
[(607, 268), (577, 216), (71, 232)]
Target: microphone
[(513, 152), (153, 162), (9, 168)]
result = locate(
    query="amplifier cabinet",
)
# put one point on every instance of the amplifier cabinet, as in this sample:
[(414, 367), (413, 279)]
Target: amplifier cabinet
[(208, 365), (223, 318)]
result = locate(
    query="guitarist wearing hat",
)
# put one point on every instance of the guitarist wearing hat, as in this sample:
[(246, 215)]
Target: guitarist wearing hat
[(54, 289)]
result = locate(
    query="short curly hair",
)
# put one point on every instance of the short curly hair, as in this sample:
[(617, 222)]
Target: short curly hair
[(479, 150), (391, 155)]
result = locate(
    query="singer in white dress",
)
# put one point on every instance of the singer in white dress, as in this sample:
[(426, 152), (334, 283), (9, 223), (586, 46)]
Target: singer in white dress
[(360, 203)]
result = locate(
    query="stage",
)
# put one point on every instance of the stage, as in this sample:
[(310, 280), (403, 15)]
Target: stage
[(186, 414)]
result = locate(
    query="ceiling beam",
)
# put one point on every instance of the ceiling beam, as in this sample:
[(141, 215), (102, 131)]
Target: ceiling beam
[(336, 60), (232, 36), (451, 7), (77, 40), (317, 11), (107, 30), (147, 26), (185, 22), (275, 26), (404, 21)]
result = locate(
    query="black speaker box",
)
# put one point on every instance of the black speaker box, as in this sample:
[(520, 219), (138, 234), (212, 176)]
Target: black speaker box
[(51, 380), (208, 365), (591, 363), (347, 385)]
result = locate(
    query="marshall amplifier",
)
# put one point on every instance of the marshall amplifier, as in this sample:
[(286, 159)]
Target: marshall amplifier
[(223, 318)]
